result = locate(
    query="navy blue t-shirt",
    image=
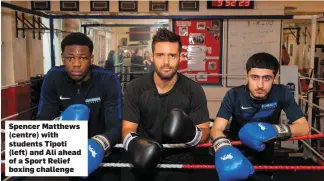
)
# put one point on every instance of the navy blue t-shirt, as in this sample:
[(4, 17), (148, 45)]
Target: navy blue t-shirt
[(239, 105)]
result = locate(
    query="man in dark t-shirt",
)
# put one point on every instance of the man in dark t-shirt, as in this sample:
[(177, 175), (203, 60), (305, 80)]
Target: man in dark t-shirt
[(162, 107), (255, 110)]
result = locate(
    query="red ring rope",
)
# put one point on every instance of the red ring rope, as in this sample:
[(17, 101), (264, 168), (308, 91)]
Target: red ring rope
[(321, 135), (199, 166)]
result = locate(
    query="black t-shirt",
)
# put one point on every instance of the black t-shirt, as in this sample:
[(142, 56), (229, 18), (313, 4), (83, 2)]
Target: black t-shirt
[(239, 105), (146, 107)]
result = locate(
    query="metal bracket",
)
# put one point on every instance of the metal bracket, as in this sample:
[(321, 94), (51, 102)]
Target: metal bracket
[(297, 36), (36, 25)]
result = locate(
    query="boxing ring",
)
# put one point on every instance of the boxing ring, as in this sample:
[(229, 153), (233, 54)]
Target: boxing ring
[(308, 149), (317, 135)]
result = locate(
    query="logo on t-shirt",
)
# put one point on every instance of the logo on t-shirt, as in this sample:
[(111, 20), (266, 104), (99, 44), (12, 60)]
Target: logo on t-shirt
[(269, 106), (92, 100)]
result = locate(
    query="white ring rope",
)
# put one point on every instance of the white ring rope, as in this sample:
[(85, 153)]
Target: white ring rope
[(6, 179), (16, 114), (126, 165), (317, 131), (314, 79), (312, 149), (310, 103), (181, 145), (20, 83)]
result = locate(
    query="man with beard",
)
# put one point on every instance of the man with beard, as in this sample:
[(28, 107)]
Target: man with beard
[(163, 106), (255, 109)]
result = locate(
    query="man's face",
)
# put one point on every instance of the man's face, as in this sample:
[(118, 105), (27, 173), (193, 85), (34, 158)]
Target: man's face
[(77, 60), (166, 59), (260, 82)]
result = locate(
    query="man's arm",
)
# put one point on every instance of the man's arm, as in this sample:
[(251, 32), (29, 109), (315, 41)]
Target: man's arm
[(218, 128), (49, 101), (200, 114), (128, 127), (144, 153), (205, 132), (223, 115), (299, 125), (131, 111), (113, 110), (250, 133)]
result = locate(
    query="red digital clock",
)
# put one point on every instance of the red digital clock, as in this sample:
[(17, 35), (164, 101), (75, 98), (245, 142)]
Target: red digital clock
[(230, 4)]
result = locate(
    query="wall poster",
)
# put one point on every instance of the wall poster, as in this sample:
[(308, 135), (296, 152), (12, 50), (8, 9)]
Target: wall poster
[(201, 50)]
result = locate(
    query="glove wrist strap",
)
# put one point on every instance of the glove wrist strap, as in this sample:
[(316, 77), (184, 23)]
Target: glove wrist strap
[(220, 142), (195, 141), (283, 131), (103, 141), (128, 138)]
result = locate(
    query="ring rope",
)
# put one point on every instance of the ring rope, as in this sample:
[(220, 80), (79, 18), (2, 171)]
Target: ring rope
[(201, 166), (311, 79), (312, 104), (314, 136), (232, 142), (6, 179), (198, 166), (20, 83), (16, 114), (317, 131), (312, 149)]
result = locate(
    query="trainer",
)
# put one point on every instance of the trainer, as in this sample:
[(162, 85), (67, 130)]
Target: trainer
[(160, 107)]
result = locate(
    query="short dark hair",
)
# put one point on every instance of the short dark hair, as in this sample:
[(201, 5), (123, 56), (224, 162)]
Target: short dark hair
[(77, 38), (263, 61), (165, 35)]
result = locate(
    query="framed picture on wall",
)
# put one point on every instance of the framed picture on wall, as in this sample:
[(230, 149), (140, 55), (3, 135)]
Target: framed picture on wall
[(188, 5), (99, 5), (159, 5), (128, 6), (40, 5), (69, 5)]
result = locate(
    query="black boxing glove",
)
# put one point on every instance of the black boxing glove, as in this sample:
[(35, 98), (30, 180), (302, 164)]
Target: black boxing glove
[(179, 128), (144, 153)]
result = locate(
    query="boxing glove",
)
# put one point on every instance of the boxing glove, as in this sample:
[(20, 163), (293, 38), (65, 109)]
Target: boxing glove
[(144, 153), (75, 112), (98, 146), (179, 128), (230, 163), (255, 134)]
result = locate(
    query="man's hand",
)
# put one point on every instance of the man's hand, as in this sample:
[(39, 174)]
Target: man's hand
[(97, 145), (230, 163), (179, 128), (144, 153), (255, 134)]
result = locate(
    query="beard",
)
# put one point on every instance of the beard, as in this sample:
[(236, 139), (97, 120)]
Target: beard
[(167, 76), (259, 97)]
